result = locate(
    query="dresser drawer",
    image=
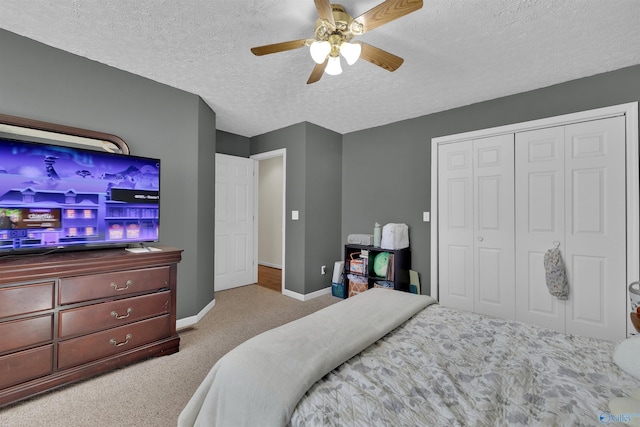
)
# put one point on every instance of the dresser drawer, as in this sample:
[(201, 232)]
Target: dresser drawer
[(95, 286), (107, 315), (26, 365), (26, 299), (106, 343), (25, 332)]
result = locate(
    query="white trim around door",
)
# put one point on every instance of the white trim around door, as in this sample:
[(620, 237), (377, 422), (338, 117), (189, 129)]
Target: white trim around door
[(263, 156), (629, 111)]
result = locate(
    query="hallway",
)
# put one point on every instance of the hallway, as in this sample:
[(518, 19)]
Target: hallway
[(270, 278)]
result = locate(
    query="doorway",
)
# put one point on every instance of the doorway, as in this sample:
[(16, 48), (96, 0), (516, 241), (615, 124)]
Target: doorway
[(269, 223)]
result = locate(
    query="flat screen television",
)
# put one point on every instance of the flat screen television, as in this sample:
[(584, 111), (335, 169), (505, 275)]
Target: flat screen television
[(55, 197)]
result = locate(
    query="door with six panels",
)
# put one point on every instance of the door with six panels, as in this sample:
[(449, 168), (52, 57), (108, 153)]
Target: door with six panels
[(570, 193), (476, 220)]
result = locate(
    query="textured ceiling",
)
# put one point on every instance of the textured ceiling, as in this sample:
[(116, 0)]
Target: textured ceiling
[(456, 52)]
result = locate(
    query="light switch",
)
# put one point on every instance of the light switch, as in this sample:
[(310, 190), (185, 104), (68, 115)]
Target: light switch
[(426, 217), (294, 215)]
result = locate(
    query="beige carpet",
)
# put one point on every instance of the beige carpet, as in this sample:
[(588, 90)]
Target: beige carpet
[(153, 392)]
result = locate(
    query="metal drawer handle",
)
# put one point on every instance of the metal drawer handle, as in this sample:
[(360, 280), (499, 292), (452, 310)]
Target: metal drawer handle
[(126, 286), (113, 341), (117, 316)]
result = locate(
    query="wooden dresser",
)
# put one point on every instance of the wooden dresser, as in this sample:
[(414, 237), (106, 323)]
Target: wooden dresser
[(68, 316)]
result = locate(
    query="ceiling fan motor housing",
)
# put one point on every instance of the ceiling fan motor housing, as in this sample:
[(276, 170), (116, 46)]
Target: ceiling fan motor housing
[(345, 27)]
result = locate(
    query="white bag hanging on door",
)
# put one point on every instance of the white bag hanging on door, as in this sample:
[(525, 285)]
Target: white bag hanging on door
[(395, 236)]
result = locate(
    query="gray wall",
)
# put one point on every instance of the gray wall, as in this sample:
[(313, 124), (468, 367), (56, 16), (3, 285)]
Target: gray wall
[(323, 205), (383, 173), (42, 83), (293, 139), (385, 179), (232, 144), (313, 180), (386, 170), (205, 198)]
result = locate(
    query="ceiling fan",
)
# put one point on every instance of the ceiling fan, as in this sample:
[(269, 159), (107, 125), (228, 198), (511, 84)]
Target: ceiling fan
[(333, 33)]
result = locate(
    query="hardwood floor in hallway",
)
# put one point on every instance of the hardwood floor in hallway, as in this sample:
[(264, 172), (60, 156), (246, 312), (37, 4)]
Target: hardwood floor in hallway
[(270, 278)]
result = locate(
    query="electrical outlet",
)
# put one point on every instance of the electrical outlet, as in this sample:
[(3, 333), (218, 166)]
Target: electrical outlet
[(323, 270)]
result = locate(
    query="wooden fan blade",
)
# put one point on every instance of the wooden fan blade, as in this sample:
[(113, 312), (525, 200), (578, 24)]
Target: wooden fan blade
[(386, 12), (325, 11), (278, 47), (317, 72), (379, 57)]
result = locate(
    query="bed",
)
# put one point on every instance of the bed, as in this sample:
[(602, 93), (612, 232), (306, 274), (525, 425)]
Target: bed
[(389, 358)]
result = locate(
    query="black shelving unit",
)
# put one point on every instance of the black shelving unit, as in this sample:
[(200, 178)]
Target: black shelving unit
[(397, 272)]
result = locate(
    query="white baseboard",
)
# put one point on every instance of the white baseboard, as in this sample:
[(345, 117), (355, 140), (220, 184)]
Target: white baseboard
[(306, 297), (268, 264), (188, 322)]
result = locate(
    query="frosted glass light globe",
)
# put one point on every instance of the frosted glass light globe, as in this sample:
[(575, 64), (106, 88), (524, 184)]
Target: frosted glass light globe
[(333, 66), (319, 51), (350, 52)]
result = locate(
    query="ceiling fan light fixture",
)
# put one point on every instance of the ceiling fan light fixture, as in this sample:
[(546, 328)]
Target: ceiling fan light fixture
[(319, 51), (334, 30), (350, 52), (333, 66)]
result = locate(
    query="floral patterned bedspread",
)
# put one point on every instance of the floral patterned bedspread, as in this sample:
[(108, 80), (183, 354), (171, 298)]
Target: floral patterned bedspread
[(454, 368)]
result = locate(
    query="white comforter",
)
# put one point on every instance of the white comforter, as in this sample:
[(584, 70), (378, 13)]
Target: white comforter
[(260, 382)]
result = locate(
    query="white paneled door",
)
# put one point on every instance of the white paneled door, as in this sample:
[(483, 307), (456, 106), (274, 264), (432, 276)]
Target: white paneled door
[(234, 247), (540, 205), (455, 213), (572, 193), (494, 268), (475, 211), (595, 227)]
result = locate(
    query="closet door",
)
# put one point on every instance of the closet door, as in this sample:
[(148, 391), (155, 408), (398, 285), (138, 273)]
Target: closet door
[(455, 225), (475, 211), (595, 218), (540, 220), (494, 269), (570, 189)]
